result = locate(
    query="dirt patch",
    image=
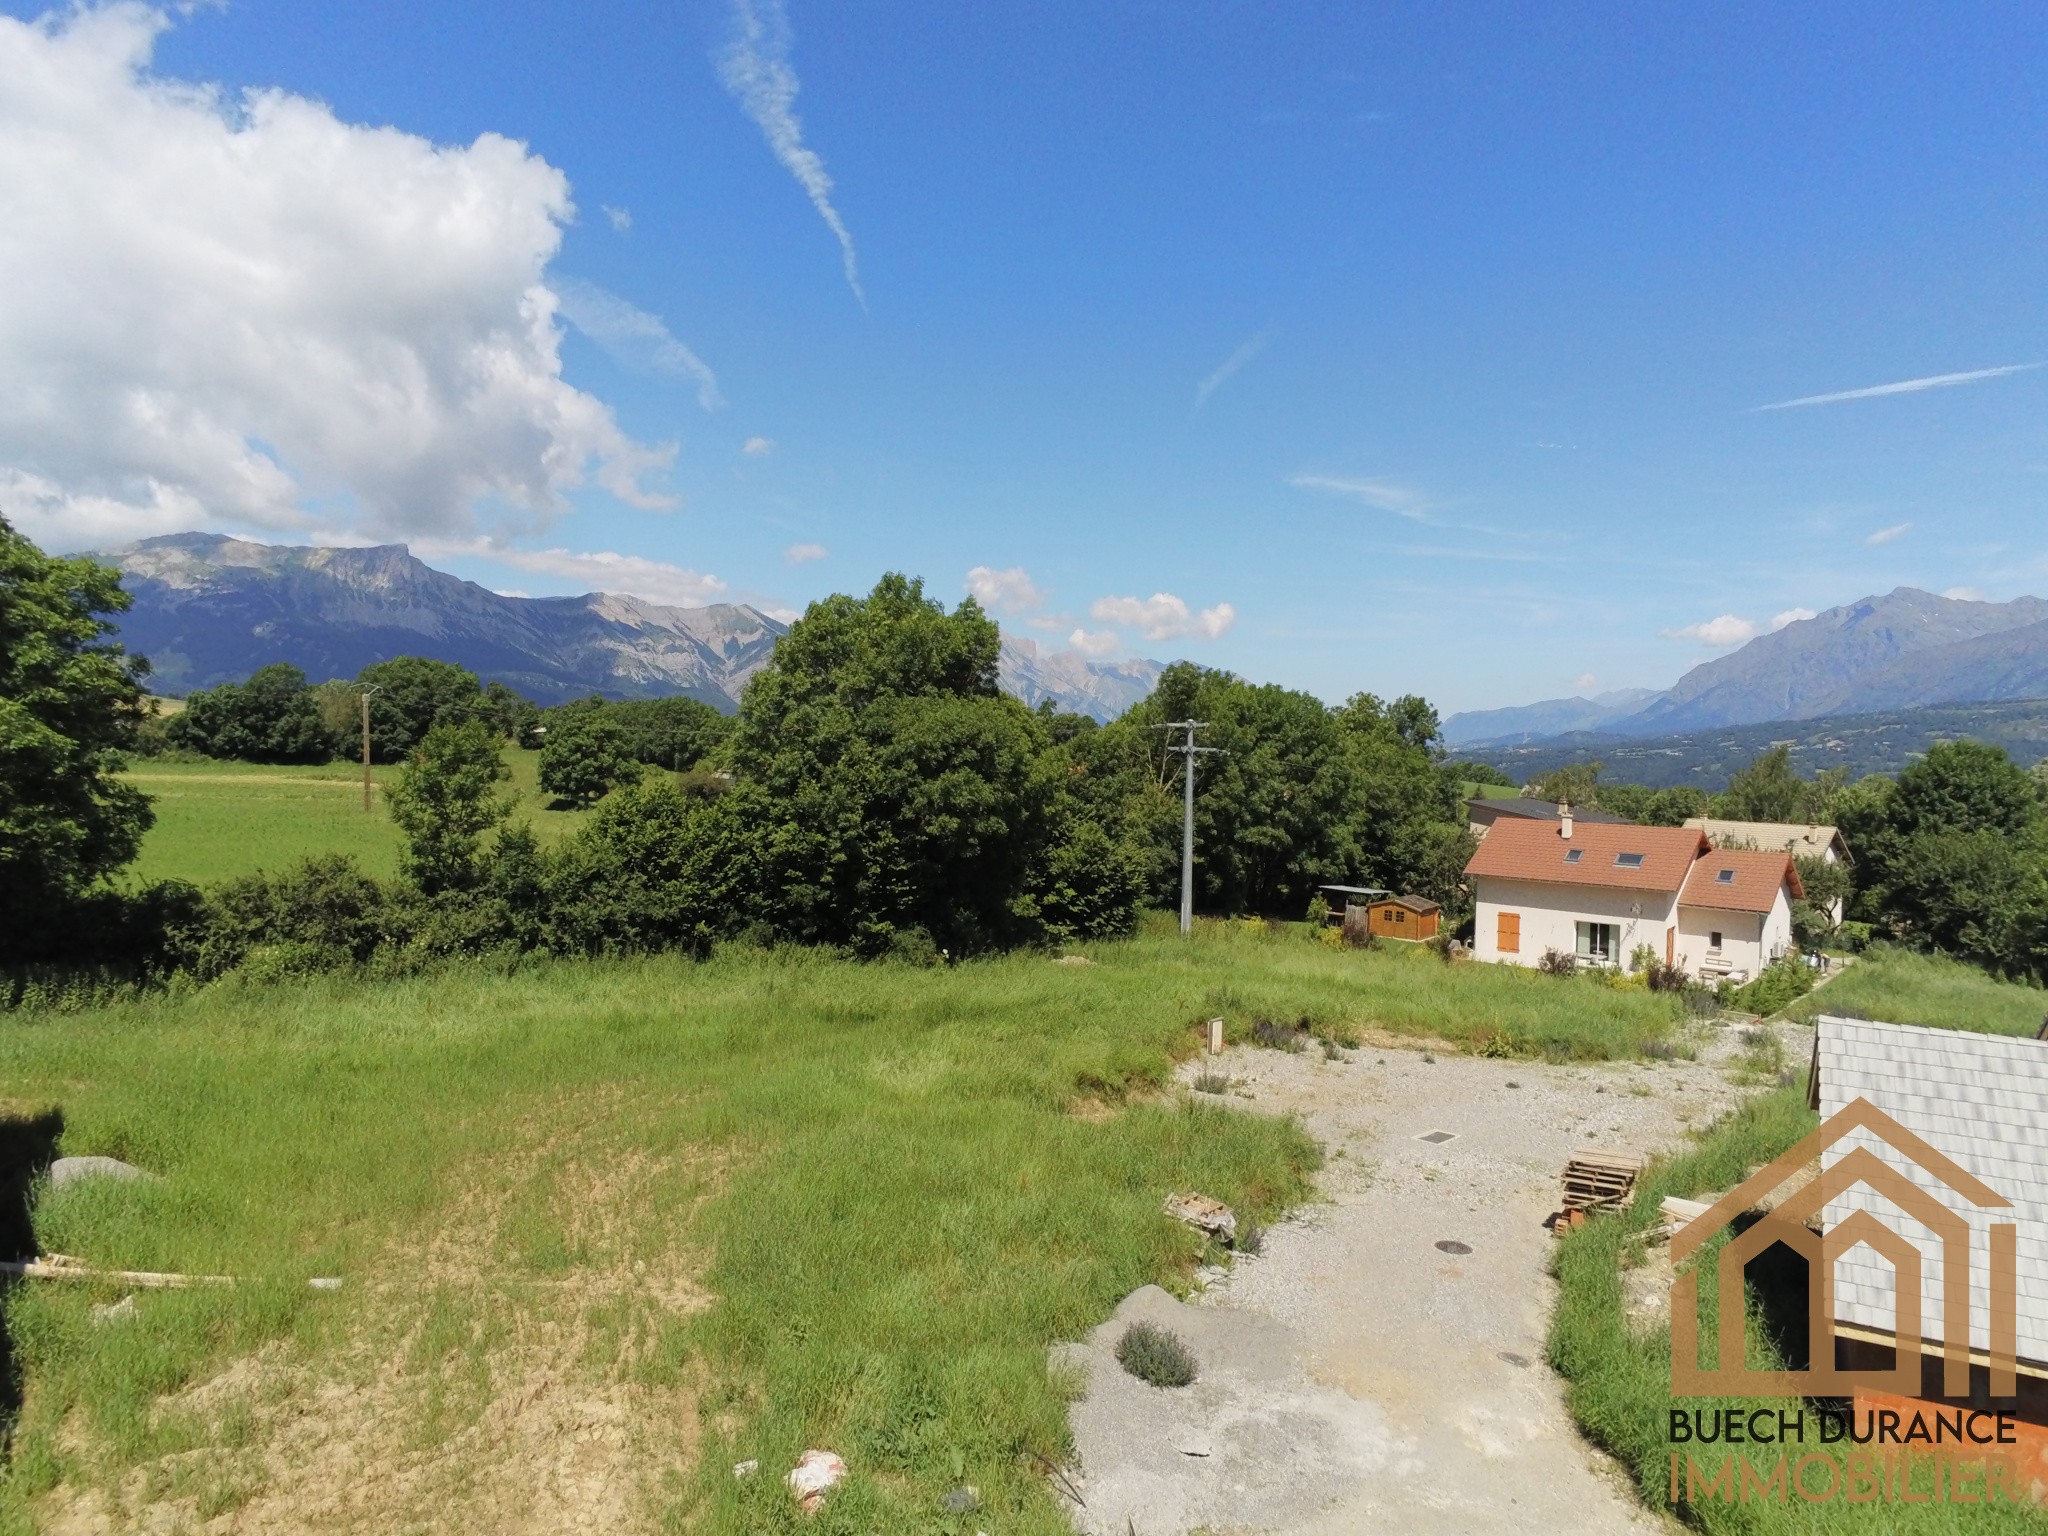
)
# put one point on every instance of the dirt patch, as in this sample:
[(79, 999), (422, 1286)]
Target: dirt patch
[(1380, 1365), (514, 1374)]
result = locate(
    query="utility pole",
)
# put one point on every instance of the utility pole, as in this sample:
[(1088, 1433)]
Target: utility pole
[(366, 747), (1188, 751)]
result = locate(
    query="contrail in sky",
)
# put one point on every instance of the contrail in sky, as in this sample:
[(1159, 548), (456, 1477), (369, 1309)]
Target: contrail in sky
[(755, 68), (1231, 364), (1903, 387)]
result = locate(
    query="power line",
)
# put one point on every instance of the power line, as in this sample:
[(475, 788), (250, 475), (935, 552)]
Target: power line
[(1189, 751)]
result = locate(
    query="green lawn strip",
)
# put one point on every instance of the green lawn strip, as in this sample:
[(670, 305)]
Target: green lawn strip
[(1902, 986), (1619, 1381)]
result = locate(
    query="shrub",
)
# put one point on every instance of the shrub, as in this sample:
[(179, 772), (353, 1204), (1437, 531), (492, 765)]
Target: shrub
[(586, 757), (1211, 1082), (1641, 958), (315, 914), (1665, 978), (1155, 1355), (1280, 1037), (1854, 937), (1556, 962), (1782, 981)]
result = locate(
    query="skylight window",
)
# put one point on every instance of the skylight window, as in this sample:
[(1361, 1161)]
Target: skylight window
[(1573, 855), (1725, 877), (1628, 861)]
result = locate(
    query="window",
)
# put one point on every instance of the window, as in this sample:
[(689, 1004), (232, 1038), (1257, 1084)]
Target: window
[(1714, 942), (1628, 861), (1724, 877), (1598, 942), (1573, 855)]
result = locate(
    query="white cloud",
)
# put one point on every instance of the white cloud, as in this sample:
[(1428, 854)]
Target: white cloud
[(1730, 630), (1006, 591), (1720, 633), (621, 218), (755, 69), (234, 307), (758, 447), (799, 554), (1886, 535), (1967, 594), (1162, 616), (1397, 499), (632, 336), (1215, 381), (1903, 387), (656, 581), (1103, 642), (1585, 683)]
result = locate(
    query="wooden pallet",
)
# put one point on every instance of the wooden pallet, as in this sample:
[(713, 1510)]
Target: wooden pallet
[(1599, 1181)]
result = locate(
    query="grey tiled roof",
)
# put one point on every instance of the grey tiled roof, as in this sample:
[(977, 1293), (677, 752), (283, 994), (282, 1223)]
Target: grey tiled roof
[(1980, 1099)]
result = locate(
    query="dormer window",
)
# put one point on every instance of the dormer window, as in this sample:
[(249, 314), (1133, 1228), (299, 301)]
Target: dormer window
[(1628, 861), (1573, 855)]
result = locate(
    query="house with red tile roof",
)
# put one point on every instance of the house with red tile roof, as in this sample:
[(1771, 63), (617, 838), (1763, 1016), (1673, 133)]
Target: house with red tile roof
[(1599, 891)]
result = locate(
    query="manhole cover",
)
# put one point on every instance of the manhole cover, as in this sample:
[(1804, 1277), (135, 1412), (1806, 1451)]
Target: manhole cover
[(1452, 1245), (1521, 1362), (1437, 1137)]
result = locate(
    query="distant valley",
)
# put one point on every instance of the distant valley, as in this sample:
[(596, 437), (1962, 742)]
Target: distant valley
[(1905, 651), (1884, 741), (210, 609)]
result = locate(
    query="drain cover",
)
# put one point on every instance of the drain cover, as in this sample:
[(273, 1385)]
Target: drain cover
[(1452, 1245), (1438, 1137)]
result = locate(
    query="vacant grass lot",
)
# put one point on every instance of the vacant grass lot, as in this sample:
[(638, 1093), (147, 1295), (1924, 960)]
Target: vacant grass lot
[(215, 821), (1902, 987), (632, 1222)]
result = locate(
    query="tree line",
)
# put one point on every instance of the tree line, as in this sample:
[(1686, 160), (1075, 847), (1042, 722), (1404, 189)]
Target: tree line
[(588, 746), (876, 792)]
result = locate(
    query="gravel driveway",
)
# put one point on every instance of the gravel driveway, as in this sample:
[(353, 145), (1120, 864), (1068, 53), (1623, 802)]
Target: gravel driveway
[(1367, 1372)]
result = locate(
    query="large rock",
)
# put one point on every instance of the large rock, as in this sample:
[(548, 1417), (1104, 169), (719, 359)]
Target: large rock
[(67, 1171)]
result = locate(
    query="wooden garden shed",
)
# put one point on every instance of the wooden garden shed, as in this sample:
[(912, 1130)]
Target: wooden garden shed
[(1403, 917)]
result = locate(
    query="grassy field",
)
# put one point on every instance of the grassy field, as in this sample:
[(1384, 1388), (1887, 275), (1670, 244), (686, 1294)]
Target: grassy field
[(649, 1219), (218, 820), (1902, 987)]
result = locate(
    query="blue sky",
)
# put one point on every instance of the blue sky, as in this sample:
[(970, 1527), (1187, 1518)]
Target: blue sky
[(1411, 348)]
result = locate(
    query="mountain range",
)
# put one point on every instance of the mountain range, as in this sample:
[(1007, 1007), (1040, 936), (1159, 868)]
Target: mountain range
[(1905, 650), (209, 609)]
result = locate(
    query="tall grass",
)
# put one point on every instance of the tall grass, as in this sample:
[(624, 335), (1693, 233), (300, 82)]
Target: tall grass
[(1901, 986), (894, 1186)]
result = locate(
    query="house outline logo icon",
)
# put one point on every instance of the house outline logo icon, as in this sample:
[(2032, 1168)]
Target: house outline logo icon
[(1786, 1223)]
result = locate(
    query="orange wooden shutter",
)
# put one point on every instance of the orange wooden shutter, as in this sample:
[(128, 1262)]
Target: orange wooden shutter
[(1510, 933)]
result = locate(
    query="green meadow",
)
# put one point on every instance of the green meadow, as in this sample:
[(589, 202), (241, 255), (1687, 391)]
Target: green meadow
[(749, 1205), (217, 820)]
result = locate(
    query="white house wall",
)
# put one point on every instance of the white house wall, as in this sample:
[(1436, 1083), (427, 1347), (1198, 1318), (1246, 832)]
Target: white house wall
[(1742, 939), (1551, 914)]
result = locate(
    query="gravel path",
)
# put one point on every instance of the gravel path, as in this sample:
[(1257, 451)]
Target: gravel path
[(1366, 1372)]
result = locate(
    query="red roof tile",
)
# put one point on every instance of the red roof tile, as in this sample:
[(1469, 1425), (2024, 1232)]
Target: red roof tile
[(1534, 850), (1755, 879)]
